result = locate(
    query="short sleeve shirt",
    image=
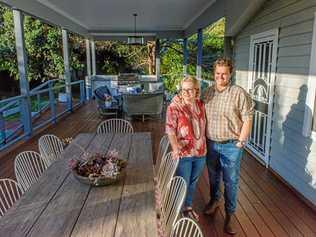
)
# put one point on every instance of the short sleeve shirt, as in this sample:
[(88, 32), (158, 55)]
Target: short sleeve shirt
[(226, 111), (188, 124)]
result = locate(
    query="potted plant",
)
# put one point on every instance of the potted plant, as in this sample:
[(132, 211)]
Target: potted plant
[(97, 169)]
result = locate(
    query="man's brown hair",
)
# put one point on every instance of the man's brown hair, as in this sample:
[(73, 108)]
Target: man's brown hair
[(226, 62)]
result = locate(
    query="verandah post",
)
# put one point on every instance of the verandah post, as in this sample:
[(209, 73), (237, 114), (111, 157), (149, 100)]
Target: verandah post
[(88, 77), (199, 53), (185, 56), (25, 105), (157, 58), (94, 69), (67, 75)]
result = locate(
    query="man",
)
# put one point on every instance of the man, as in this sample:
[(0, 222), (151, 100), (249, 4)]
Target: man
[(229, 112)]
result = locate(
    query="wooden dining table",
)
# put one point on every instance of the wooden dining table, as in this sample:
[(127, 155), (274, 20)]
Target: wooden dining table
[(59, 205)]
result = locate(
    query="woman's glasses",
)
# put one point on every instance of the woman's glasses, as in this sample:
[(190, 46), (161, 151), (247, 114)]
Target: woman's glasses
[(188, 91)]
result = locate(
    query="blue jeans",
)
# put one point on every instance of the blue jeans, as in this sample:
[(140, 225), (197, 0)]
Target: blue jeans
[(224, 158), (190, 168)]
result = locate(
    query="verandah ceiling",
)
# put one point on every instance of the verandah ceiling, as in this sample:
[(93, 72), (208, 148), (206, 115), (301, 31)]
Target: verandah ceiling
[(107, 19)]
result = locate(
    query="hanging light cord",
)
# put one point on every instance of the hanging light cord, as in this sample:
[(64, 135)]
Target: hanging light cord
[(135, 15)]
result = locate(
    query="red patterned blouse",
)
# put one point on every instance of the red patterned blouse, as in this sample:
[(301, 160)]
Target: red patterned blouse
[(188, 124)]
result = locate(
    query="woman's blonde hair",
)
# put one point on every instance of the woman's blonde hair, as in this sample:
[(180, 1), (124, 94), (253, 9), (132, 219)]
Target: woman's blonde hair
[(195, 82)]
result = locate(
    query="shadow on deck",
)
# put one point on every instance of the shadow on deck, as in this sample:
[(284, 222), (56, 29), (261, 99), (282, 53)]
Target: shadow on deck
[(266, 207)]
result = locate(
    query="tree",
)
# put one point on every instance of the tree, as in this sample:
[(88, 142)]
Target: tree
[(43, 45), (115, 57), (172, 55)]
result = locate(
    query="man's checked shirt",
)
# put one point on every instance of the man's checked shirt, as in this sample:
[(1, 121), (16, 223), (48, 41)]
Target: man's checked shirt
[(226, 111)]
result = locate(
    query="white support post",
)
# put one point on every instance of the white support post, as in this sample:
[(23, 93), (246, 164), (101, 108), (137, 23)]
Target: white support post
[(199, 54), (25, 106), (185, 56), (94, 69), (88, 77), (157, 58), (228, 47), (67, 75)]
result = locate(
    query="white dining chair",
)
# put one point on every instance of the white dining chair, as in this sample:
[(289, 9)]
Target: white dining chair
[(28, 167), (162, 150), (186, 227), (115, 126), (51, 148), (9, 194), (172, 203), (166, 172)]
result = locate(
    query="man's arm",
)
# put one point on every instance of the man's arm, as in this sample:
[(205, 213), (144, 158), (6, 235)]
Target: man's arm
[(245, 132), (247, 111)]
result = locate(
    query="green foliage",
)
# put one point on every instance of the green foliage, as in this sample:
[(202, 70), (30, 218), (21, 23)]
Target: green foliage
[(171, 64), (7, 42), (43, 45), (115, 57), (172, 55)]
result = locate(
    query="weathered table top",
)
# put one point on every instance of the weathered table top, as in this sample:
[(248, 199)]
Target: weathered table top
[(58, 205)]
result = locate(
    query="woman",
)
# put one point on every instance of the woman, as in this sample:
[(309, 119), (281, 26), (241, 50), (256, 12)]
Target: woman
[(185, 126)]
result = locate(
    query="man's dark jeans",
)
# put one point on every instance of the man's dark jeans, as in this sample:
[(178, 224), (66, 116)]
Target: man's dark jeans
[(224, 158)]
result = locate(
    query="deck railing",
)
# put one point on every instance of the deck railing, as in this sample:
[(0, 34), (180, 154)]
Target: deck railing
[(111, 80), (47, 101)]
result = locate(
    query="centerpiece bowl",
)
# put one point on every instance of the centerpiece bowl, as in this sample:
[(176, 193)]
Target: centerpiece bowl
[(98, 169)]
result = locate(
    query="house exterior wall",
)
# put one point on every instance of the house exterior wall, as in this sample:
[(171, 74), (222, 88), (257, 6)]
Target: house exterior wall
[(291, 152)]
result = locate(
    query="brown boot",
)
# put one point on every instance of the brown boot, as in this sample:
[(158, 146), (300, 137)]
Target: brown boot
[(211, 207), (228, 226)]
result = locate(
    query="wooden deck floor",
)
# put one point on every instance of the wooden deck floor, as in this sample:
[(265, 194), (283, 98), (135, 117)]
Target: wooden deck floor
[(266, 207)]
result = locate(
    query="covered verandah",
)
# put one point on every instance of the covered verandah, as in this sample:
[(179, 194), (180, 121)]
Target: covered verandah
[(263, 200)]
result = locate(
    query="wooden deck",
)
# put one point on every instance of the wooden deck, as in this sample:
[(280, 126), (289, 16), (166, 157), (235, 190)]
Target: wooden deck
[(266, 207)]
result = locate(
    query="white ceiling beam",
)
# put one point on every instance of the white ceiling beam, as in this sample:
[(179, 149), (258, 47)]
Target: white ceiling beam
[(148, 36)]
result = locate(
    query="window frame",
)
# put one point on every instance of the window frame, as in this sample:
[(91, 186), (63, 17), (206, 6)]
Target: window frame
[(311, 90)]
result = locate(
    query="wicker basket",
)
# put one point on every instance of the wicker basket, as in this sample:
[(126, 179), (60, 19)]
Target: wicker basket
[(98, 180)]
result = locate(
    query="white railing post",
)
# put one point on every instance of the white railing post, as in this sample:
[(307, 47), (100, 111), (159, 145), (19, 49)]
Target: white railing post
[(157, 58), (94, 68), (38, 101), (88, 77), (67, 75), (25, 105), (52, 101), (82, 94), (185, 56), (199, 53)]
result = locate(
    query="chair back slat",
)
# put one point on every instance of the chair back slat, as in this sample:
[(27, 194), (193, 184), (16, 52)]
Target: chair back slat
[(162, 150), (186, 227), (28, 167), (172, 203), (166, 171), (115, 126), (9, 194), (50, 147)]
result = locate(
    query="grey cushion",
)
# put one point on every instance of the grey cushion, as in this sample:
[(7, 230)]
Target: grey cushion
[(143, 104)]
